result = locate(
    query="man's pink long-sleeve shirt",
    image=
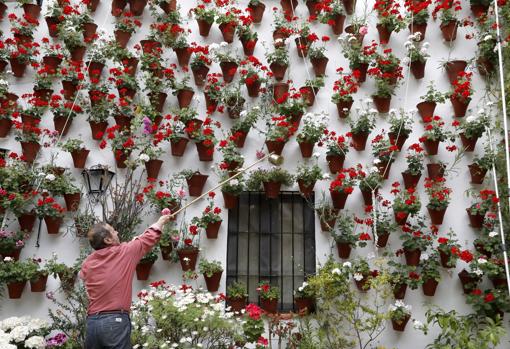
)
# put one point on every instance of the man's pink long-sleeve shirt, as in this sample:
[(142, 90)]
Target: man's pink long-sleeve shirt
[(108, 273)]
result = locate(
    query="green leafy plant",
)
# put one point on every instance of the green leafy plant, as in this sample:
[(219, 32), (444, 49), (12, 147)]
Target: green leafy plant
[(209, 268)]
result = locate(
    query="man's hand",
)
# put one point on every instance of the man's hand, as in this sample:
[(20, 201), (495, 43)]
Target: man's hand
[(164, 219)]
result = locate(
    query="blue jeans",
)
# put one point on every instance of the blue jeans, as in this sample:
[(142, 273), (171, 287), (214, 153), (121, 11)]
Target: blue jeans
[(112, 331)]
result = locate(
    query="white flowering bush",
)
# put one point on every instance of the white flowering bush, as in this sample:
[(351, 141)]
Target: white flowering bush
[(167, 316), (23, 332)]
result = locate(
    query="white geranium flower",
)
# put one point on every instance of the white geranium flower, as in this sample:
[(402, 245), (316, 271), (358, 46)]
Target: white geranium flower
[(377, 161), (347, 264), (336, 271), (493, 234), (425, 44), (424, 256), (487, 37), (357, 276), (482, 111), (50, 177), (243, 113), (224, 44), (418, 325), (481, 261), (470, 119), (478, 272), (7, 259), (36, 342), (144, 157), (326, 176)]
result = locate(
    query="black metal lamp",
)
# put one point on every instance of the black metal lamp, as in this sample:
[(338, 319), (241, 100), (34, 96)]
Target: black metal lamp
[(97, 179)]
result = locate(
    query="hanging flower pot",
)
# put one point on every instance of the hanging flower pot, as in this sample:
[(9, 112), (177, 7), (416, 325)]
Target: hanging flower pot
[(337, 25), (475, 220), (178, 146), (410, 180), (468, 281), (306, 190), (306, 149), (204, 27), (363, 68), (308, 93), (72, 201), (382, 238), (499, 282), (70, 89), (120, 158), (431, 146), (158, 100), (339, 199), (228, 69), (150, 46), (363, 284), (400, 325), (80, 157), (77, 53), (272, 189), (249, 45), (153, 167), (468, 143), (213, 229), (398, 141), (278, 70), (122, 37), (32, 10), (137, 6), (15, 289), (275, 147), (126, 92), (453, 68), (435, 170), (230, 200), (269, 305), (344, 107), (188, 258), (412, 257), (200, 74), (349, 6), (384, 169), (130, 65), (382, 104), (319, 65), (335, 162), (210, 103), (449, 30), (240, 138), (143, 270), (3, 8), (429, 287), (5, 127), (196, 183), (236, 304), (43, 93), (205, 153), (399, 291), (485, 66), (400, 217), (228, 30), (436, 216), (123, 121), (39, 284), (302, 46), (477, 173), (359, 140), (89, 31), (445, 259), (253, 88), (30, 150), (327, 224), (14, 253), (418, 69), (367, 196), (289, 5), (166, 252), (52, 23), (18, 67), (344, 249), (184, 97), (62, 124), (418, 28), (304, 305), (459, 106), (279, 90), (92, 5), (118, 7), (26, 221), (97, 128), (183, 55), (3, 65), (384, 34), (426, 109), (53, 224), (257, 11), (213, 282)]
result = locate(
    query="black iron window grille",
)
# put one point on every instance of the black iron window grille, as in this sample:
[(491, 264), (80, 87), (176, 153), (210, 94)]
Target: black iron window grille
[(271, 240)]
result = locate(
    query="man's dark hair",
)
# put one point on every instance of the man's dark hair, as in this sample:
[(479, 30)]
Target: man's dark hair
[(97, 234)]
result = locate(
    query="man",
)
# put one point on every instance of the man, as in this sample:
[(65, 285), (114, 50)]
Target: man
[(108, 276)]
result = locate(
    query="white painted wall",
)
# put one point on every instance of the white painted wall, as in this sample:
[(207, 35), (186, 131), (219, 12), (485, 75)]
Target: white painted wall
[(449, 294)]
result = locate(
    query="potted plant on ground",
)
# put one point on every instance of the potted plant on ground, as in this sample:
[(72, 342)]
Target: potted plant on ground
[(187, 249), (471, 129), (271, 180), (390, 19), (78, 151), (304, 299), (439, 198), (343, 89), (362, 126), (461, 94), (399, 313), (416, 240), (307, 176), (430, 101), (237, 294), (210, 219), (314, 125), (342, 186), (269, 296), (15, 275), (405, 203), (212, 271)]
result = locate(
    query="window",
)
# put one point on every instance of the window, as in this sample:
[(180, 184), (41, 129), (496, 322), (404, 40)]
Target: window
[(271, 240)]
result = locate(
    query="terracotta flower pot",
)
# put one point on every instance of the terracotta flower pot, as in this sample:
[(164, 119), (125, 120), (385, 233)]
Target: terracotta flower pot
[(384, 169), (499, 282), (213, 282), (306, 149), (143, 270), (188, 258), (126, 92), (230, 201), (158, 100), (412, 257), (401, 324), (53, 224), (62, 124), (236, 304), (213, 229), (304, 305), (205, 153), (343, 108), (70, 89), (130, 65), (228, 30), (449, 30), (178, 147), (196, 184), (166, 252), (278, 70), (184, 98), (418, 28), (400, 217), (210, 103), (429, 287), (382, 238), (122, 37), (468, 282), (435, 170), (363, 284), (39, 285), (254, 88), (257, 11), (80, 157), (410, 180), (269, 305), (204, 27), (477, 173), (344, 249), (240, 138), (382, 104), (200, 74), (3, 8), (248, 46), (137, 6), (5, 127), (308, 93), (418, 69), (150, 46), (123, 121), (453, 68), (275, 147), (3, 65), (426, 109), (153, 167), (26, 221), (89, 31), (52, 23), (485, 66), (306, 190), (459, 106), (349, 6), (97, 128), (475, 220), (431, 146), (183, 55), (445, 259), (67, 281), (228, 69), (398, 141), (120, 158), (30, 150), (272, 189), (339, 199), (359, 140), (367, 196), (384, 34), (32, 10), (14, 253), (92, 5), (289, 5), (337, 25), (327, 225), (78, 53), (436, 216), (18, 68), (363, 68), (335, 162), (43, 93), (399, 291), (468, 143), (72, 201), (15, 289), (280, 89)]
